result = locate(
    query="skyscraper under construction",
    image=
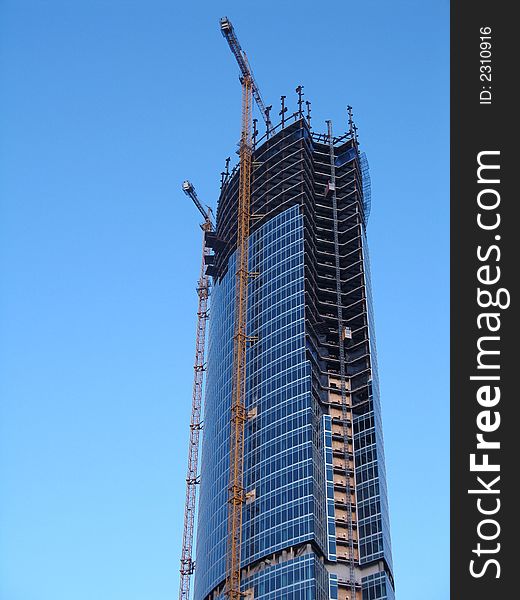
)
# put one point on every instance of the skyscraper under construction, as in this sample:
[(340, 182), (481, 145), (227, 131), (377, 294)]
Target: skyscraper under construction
[(313, 505)]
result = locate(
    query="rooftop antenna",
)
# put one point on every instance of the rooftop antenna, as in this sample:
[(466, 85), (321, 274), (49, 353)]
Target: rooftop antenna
[(224, 175), (350, 121), (283, 111), (299, 91), (354, 127), (351, 125), (308, 105), (268, 120)]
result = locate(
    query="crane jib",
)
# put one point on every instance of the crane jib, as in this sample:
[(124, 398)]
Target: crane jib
[(229, 33)]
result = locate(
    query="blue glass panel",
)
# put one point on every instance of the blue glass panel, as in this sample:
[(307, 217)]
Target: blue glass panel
[(377, 587)]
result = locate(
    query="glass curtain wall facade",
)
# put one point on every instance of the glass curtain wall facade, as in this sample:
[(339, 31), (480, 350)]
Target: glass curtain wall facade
[(308, 533)]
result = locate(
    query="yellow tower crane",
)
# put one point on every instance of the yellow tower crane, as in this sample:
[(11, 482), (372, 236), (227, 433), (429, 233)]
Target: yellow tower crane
[(192, 477), (240, 339)]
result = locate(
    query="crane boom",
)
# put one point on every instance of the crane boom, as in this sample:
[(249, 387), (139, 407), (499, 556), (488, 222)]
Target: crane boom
[(189, 190), (238, 416), (192, 477), (229, 33)]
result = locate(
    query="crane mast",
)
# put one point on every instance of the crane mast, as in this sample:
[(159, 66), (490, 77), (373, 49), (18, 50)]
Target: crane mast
[(192, 477), (240, 339)]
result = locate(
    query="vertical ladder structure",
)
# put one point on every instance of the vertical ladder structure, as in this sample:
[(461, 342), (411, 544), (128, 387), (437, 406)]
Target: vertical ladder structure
[(238, 410), (346, 410), (192, 477)]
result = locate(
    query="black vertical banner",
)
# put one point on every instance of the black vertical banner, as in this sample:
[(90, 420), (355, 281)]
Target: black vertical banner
[(485, 265)]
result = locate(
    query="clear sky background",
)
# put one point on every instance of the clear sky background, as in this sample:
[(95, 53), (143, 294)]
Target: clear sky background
[(106, 107)]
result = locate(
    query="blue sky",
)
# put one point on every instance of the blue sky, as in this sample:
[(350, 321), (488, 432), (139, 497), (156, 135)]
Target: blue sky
[(106, 107)]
